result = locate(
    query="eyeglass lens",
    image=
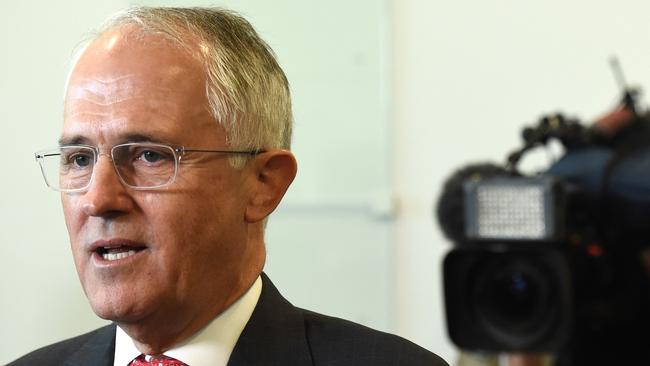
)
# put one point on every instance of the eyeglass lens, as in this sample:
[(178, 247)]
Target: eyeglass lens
[(138, 165), (145, 166)]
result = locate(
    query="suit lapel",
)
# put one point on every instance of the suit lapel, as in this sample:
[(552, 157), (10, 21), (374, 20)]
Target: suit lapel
[(274, 335), (99, 350)]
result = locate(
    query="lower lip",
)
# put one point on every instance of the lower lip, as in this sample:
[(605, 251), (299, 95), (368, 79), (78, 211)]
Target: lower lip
[(99, 260)]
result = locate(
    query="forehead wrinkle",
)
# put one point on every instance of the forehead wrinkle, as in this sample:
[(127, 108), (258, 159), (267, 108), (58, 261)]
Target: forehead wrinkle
[(87, 127), (107, 91), (77, 113), (104, 92)]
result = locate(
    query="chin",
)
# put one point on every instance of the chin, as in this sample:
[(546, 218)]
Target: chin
[(115, 309)]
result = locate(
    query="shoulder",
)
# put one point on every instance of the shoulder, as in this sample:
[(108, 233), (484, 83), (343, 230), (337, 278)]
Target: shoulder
[(335, 341), (60, 352)]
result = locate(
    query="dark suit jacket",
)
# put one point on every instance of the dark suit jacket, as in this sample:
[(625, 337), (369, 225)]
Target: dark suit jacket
[(277, 334)]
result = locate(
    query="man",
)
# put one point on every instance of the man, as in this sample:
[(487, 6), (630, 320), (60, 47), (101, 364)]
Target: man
[(174, 151)]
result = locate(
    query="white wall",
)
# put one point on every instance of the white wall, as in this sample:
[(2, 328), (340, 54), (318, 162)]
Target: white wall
[(41, 300), (468, 75)]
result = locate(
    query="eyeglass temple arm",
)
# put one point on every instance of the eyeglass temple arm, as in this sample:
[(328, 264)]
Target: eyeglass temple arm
[(250, 152)]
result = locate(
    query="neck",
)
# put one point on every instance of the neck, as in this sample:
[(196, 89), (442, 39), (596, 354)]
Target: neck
[(156, 336)]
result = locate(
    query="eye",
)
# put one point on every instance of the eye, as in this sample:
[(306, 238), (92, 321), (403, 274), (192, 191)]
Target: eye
[(151, 156), (81, 160), (77, 159)]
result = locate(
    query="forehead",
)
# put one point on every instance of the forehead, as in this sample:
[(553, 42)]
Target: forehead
[(127, 82)]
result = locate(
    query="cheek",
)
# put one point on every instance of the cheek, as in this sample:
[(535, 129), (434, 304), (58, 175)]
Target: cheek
[(173, 221), (193, 228), (72, 215), (74, 219), (181, 224)]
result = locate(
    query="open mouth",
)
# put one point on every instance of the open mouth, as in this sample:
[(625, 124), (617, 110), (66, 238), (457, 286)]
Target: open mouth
[(114, 253)]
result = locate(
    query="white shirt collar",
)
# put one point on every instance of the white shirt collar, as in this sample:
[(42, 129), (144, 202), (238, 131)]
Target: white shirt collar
[(212, 345)]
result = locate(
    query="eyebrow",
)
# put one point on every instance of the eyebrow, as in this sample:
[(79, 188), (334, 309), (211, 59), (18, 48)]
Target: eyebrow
[(73, 140), (82, 140)]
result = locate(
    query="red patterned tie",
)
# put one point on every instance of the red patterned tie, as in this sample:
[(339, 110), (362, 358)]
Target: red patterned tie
[(156, 361)]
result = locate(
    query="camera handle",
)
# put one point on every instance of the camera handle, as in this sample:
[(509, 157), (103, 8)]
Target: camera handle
[(573, 134)]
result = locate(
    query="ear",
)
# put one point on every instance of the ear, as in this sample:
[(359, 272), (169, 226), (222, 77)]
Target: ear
[(272, 173)]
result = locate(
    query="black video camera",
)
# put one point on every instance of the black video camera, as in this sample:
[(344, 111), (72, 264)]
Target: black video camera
[(555, 262)]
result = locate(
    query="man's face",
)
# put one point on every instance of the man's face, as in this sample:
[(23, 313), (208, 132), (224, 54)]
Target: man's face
[(187, 242)]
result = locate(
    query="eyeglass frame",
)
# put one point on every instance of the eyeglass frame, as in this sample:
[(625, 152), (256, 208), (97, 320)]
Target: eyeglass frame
[(177, 150)]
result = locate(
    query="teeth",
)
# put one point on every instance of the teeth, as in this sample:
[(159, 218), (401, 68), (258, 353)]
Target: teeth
[(116, 256)]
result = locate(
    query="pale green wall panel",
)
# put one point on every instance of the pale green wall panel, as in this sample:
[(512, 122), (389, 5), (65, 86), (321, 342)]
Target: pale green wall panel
[(41, 299), (330, 244)]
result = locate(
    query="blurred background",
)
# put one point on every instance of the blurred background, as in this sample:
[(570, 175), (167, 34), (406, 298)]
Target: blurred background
[(390, 97)]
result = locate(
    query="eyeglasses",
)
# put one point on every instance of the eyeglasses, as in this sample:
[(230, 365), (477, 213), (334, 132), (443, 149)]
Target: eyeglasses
[(139, 165)]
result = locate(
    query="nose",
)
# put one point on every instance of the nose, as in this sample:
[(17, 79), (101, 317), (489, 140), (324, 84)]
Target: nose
[(106, 196)]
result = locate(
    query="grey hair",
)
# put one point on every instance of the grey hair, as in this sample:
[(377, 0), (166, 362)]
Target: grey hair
[(247, 91)]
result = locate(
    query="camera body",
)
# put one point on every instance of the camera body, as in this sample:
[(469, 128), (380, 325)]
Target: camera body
[(508, 285), (551, 262)]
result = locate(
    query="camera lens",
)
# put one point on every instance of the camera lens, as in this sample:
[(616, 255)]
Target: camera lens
[(513, 298)]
